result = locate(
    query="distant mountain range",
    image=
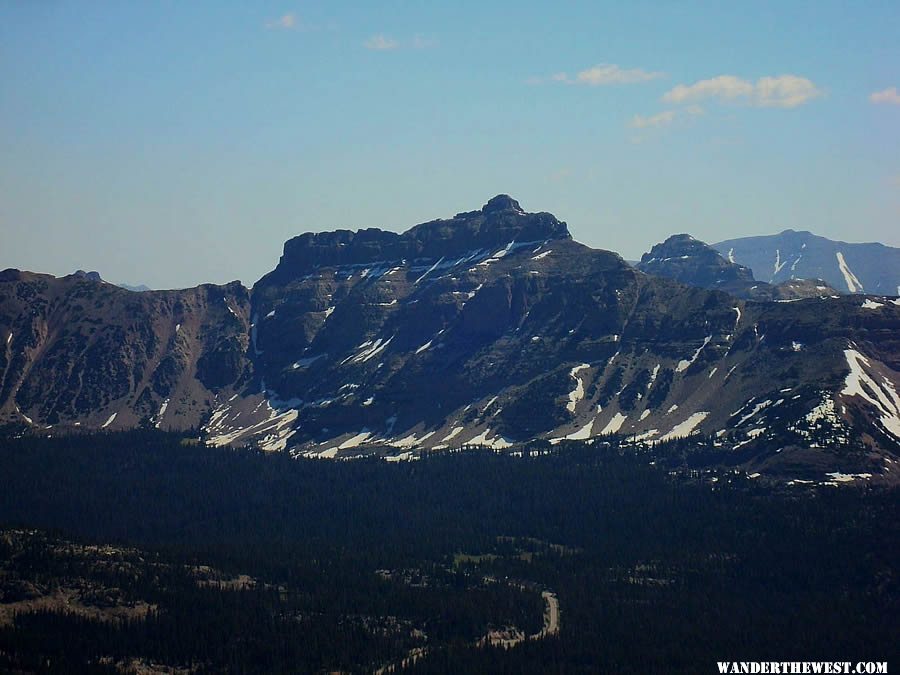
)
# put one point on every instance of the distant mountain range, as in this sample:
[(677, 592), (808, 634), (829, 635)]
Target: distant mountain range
[(140, 288), (491, 328), (95, 276), (693, 262), (851, 268)]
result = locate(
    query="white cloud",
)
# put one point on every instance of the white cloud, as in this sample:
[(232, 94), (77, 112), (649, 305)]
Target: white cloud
[(286, 22), (381, 43), (609, 73), (662, 119), (723, 86), (600, 75), (890, 96), (783, 91)]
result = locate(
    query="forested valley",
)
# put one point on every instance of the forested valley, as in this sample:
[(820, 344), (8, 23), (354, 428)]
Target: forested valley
[(145, 551)]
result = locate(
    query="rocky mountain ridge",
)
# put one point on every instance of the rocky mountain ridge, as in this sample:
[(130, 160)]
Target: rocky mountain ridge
[(79, 352), (497, 223), (490, 328)]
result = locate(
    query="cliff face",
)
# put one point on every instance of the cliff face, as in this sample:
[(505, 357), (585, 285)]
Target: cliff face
[(80, 351), (500, 221)]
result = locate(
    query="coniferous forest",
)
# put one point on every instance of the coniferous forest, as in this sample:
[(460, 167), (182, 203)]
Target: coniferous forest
[(149, 552)]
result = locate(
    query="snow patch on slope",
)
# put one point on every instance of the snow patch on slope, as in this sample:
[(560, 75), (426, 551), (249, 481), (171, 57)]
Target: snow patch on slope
[(756, 409), (883, 396), (162, 411), (578, 392), (853, 284), (26, 417), (429, 271), (614, 424), (823, 411), (411, 441), (496, 443), (368, 350), (583, 433), (306, 362), (686, 427), (684, 364), (653, 375), (272, 432), (356, 440), (454, 432), (778, 264)]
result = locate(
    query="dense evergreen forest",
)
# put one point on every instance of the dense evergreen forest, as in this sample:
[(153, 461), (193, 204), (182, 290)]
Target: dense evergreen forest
[(145, 549)]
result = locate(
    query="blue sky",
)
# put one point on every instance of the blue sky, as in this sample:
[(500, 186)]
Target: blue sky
[(174, 143)]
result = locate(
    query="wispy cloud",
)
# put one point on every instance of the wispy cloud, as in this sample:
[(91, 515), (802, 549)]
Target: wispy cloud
[(890, 96), (285, 22), (783, 91), (292, 22), (385, 43), (600, 75), (381, 43), (609, 73), (664, 118)]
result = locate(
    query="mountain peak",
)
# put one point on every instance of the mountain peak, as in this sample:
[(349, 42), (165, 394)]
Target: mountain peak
[(501, 203), (88, 276), (680, 246), (693, 262), (499, 222)]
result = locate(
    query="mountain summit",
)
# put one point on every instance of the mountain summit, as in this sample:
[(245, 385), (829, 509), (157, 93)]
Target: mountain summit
[(692, 262), (498, 222), (501, 203)]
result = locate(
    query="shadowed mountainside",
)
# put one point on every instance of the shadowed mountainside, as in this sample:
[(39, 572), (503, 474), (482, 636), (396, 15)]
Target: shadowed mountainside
[(489, 328)]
